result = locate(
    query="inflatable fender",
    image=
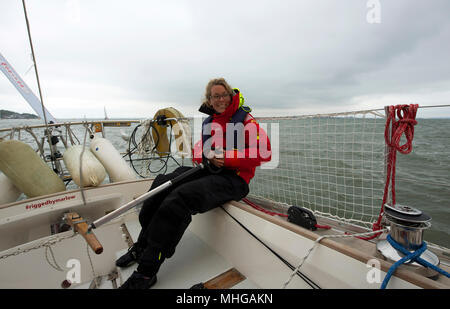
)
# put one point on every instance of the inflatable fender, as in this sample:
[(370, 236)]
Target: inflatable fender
[(27, 171), (8, 191), (116, 166), (124, 136), (181, 131), (93, 172)]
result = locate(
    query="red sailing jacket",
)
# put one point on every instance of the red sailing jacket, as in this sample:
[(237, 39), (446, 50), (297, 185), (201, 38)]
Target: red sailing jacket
[(256, 145)]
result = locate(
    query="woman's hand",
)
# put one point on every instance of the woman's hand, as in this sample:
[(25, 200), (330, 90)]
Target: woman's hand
[(216, 158), (217, 161)]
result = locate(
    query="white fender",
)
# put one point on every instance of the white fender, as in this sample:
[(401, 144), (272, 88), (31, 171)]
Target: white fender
[(93, 172), (116, 166), (27, 171), (124, 136), (8, 191)]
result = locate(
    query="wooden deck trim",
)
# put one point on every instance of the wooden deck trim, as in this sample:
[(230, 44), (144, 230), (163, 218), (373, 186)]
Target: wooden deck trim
[(225, 280)]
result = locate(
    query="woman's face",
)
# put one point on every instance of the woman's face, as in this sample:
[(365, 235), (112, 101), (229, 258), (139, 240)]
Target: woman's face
[(220, 99)]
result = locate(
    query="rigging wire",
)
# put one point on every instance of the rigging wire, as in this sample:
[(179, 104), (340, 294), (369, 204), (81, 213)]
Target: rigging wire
[(47, 131), (305, 278)]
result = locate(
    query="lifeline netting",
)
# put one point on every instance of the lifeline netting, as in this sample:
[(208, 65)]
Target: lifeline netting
[(331, 164)]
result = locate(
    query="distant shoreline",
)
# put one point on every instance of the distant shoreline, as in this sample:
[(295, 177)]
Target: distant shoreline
[(6, 114)]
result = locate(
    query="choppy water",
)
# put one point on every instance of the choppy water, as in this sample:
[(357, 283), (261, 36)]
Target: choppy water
[(339, 173)]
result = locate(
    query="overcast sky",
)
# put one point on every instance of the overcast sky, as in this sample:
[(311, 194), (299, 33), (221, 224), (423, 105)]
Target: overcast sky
[(287, 56)]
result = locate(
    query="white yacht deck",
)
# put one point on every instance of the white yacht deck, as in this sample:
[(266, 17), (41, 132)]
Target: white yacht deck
[(194, 262)]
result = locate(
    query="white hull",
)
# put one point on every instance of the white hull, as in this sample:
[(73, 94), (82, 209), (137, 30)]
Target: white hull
[(25, 225), (28, 220), (32, 271)]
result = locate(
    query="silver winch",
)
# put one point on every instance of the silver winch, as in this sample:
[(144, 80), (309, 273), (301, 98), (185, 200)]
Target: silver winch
[(407, 225)]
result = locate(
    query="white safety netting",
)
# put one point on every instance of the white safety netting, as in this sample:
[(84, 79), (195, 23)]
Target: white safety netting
[(331, 164)]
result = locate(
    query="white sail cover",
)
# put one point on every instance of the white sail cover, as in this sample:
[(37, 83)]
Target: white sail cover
[(23, 88)]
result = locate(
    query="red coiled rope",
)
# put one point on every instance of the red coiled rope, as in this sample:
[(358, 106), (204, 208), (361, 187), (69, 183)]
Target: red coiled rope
[(262, 209), (405, 125)]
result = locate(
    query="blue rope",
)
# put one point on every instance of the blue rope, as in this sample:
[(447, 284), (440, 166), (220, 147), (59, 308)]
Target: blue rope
[(414, 256)]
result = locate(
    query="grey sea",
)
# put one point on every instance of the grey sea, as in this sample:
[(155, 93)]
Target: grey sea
[(310, 165)]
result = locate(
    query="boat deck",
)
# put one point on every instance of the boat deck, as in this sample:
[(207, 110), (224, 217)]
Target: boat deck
[(194, 262)]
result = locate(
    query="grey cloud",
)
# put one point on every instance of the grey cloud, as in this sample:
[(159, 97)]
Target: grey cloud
[(281, 54)]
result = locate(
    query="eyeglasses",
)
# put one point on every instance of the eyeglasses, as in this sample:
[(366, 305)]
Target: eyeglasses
[(218, 97)]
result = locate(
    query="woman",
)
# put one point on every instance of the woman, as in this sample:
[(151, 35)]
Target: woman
[(231, 159)]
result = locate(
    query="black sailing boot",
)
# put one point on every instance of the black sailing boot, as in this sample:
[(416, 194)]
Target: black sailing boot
[(138, 281), (145, 275), (131, 257)]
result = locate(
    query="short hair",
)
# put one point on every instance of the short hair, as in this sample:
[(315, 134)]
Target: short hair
[(215, 82)]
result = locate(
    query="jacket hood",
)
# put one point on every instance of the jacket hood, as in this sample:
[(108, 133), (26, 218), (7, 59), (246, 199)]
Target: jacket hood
[(205, 109)]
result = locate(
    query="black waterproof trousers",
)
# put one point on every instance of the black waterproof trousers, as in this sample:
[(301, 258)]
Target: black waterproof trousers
[(165, 216)]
